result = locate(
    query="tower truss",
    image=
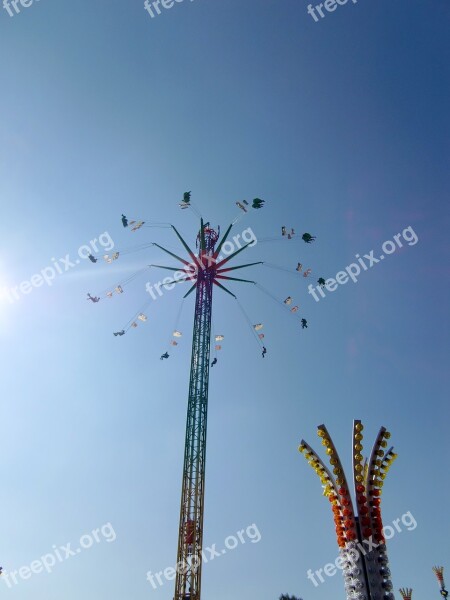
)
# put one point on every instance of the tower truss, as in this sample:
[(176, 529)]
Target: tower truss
[(204, 270)]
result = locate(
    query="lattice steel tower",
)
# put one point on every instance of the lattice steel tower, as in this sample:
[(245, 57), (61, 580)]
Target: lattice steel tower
[(204, 269)]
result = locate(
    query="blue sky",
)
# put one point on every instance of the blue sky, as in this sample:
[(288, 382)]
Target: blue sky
[(342, 127)]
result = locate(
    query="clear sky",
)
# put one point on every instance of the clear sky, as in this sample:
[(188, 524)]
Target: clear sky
[(342, 126)]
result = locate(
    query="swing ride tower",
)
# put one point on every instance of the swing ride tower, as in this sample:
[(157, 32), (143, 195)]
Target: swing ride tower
[(190, 534), (359, 527), (205, 271)]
